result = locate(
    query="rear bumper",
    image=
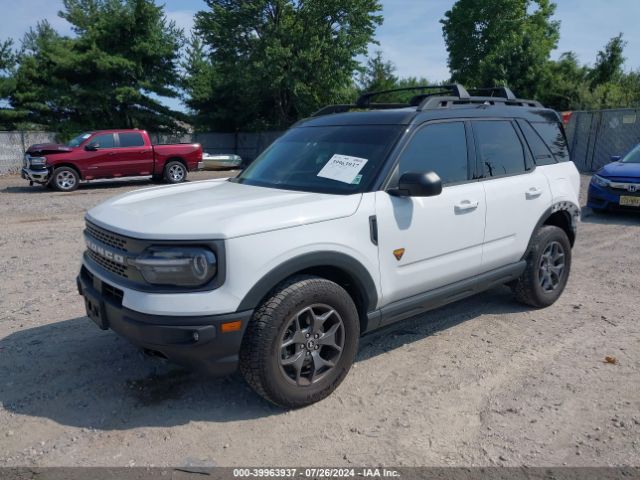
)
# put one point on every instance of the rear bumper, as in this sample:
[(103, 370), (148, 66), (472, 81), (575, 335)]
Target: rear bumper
[(38, 176), (195, 342)]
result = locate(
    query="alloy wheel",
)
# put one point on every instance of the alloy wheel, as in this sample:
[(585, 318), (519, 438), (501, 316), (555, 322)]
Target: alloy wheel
[(311, 344), (551, 266)]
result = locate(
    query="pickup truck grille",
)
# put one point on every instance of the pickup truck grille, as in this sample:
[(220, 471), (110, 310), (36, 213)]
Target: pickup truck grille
[(108, 238)]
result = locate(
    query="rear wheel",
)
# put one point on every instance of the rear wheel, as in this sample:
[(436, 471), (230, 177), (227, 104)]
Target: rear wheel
[(301, 342), (547, 270), (65, 179), (175, 172)]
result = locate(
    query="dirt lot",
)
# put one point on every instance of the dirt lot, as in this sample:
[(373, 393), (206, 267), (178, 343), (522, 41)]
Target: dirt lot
[(484, 382)]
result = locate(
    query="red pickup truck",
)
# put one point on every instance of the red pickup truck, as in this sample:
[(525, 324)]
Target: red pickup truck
[(108, 154)]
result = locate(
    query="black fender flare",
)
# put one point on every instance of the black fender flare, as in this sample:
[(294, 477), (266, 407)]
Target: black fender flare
[(573, 212), (353, 268)]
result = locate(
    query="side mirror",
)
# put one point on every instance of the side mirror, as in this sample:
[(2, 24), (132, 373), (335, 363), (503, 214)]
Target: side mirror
[(413, 184), (90, 147), (615, 158)]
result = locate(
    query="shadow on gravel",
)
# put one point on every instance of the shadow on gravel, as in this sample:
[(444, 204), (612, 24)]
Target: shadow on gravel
[(610, 217), (74, 374), (83, 187)]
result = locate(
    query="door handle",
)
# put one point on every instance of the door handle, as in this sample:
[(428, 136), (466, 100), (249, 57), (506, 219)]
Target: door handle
[(533, 192), (466, 205)]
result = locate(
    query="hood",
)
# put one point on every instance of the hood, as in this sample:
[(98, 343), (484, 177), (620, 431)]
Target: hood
[(215, 209), (620, 172), (50, 148)]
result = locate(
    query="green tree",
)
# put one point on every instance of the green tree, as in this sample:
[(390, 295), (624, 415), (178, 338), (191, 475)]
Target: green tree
[(608, 67), (378, 75), (275, 61), (500, 42), (8, 63), (124, 56)]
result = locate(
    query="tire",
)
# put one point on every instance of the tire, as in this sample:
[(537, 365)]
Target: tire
[(65, 179), (174, 172), (548, 268), (290, 353)]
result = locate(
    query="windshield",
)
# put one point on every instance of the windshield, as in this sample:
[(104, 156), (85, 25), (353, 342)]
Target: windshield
[(75, 142), (633, 156), (333, 159)]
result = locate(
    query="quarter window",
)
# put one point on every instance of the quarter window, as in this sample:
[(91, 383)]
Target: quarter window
[(541, 153), (131, 139), (499, 148), (441, 148), (554, 138)]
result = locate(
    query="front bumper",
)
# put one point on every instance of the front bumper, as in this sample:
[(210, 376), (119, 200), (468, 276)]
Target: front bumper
[(196, 342), (38, 176), (602, 198)]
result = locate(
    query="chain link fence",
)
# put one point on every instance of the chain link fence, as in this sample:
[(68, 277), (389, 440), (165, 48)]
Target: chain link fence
[(14, 144), (597, 135), (248, 145)]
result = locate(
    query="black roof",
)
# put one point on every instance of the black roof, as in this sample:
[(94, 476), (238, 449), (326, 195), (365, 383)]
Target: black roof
[(449, 101)]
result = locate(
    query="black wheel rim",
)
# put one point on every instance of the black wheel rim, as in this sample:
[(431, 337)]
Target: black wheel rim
[(311, 344), (552, 266)]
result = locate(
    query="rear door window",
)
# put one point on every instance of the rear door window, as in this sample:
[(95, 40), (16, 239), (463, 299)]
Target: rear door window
[(552, 135), (500, 151), (131, 139), (441, 148)]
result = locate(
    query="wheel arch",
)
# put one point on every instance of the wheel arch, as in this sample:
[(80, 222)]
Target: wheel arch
[(564, 215), (69, 165), (338, 267)]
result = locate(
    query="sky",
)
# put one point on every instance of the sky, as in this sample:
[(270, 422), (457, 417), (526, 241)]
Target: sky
[(411, 35)]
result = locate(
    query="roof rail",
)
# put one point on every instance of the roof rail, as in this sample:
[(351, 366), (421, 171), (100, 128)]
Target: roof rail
[(455, 89), (443, 96), (504, 92)]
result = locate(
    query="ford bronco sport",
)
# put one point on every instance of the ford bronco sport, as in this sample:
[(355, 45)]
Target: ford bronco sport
[(358, 217)]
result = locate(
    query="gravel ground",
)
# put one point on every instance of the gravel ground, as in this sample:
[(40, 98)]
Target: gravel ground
[(483, 382)]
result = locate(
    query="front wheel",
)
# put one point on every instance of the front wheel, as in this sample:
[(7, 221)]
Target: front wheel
[(547, 270), (175, 172), (65, 179), (301, 342)]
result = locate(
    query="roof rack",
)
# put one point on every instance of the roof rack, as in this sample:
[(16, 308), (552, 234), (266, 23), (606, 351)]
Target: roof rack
[(504, 92), (444, 96), (455, 89)]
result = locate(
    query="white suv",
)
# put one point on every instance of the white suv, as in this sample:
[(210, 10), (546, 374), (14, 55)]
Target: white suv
[(352, 220)]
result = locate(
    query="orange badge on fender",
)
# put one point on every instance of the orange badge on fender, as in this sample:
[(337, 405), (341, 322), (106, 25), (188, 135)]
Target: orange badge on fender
[(398, 252)]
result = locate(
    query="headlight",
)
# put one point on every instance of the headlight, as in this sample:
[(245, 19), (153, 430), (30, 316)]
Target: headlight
[(38, 161), (600, 181), (180, 266)]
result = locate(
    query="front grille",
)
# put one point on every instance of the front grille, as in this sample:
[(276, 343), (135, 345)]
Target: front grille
[(107, 264), (108, 238)]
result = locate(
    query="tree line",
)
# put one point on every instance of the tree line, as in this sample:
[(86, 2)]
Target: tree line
[(264, 64)]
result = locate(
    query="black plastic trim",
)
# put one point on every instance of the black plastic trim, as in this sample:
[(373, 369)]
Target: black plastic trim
[(572, 210), (360, 275), (417, 304), (194, 341), (373, 229)]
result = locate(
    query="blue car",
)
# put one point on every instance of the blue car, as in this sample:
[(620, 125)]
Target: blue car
[(617, 184)]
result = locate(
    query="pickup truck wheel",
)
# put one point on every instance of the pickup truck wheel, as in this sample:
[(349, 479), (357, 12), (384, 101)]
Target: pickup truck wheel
[(301, 342), (65, 179), (548, 266), (175, 172)]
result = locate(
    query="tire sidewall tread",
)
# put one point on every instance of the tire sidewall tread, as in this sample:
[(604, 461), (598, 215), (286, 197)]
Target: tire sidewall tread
[(260, 346)]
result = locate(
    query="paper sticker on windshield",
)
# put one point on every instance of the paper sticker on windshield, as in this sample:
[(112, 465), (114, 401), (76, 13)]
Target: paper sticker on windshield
[(342, 168)]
